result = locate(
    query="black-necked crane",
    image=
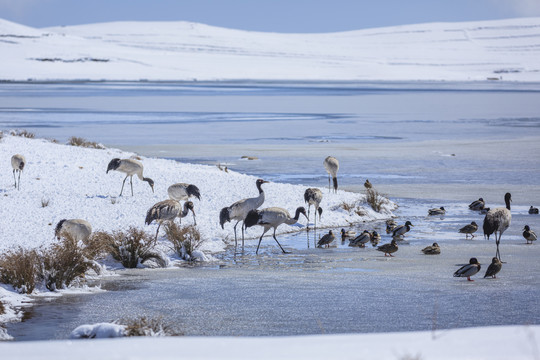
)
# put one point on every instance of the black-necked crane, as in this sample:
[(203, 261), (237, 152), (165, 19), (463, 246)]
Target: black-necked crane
[(183, 191), (78, 229), (17, 163), (468, 270), (239, 210), (167, 210), (326, 240), (271, 218), (469, 229), (331, 164), (313, 196), (129, 167), (497, 220), (493, 268)]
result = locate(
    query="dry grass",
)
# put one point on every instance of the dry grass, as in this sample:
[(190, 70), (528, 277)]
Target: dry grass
[(375, 199), (130, 247), (144, 326), (22, 133), (2, 308), (184, 240), (22, 269), (65, 262), (77, 141), (347, 206), (44, 202)]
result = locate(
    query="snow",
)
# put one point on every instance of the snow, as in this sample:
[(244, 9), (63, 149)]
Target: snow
[(507, 342), (166, 51), (98, 331)]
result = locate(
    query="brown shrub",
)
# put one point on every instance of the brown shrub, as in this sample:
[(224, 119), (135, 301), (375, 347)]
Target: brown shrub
[(375, 199), (22, 133), (184, 240), (77, 141), (21, 268), (144, 326)]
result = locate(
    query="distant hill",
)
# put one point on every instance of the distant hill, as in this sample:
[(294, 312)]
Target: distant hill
[(470, 51)]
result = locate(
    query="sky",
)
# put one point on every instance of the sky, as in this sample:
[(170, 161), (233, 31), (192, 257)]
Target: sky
[(285, 16)]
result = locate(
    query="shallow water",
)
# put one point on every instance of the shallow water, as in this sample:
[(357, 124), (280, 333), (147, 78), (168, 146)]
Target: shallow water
[(424, 145)]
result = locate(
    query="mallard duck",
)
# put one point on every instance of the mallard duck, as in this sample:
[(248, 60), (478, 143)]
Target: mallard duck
[(469, 229), (390, 226), (399, 231), (375, 238), (347, 233), (361, 240), (367, 184), (326, 239), (389, 248), (533, 210), (435, 211), (493, 268), (432, 250), (477, 204), (468, 270), (485, 210), (529, 235)]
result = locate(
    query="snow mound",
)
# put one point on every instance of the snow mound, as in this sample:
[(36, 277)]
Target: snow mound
[(98, 331)]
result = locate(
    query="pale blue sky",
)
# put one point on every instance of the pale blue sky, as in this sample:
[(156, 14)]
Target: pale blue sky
[(268, 15)]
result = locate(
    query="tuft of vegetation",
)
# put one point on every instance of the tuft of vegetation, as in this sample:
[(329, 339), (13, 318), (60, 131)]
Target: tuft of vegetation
[(375, 199), (77, 141), (1, 135), (44, 202), (184, 239), (144, 326), (21, 268), (23, 133), (347, 206), (2, 308), (131, 247)]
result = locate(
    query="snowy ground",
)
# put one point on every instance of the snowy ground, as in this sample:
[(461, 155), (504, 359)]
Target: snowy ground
[(470, 51)]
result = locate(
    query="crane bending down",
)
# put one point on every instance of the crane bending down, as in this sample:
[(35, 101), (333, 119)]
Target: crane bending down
[(497, 221), (167, 210), (331, 164), (313, 196), (129, 167), (272, 217), (239, 210), (78, 229), (182, 192), (17, 163)]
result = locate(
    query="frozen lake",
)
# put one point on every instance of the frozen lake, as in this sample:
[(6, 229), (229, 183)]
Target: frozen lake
[(425, 145)]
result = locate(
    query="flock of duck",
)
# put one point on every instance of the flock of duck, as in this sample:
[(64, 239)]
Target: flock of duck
[(495, 223)]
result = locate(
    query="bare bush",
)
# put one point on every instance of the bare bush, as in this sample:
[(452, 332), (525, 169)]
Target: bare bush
[(2, 308), (22, 133), (44, 202), (132, 247), (184, 240), (144, 326), (77, 141), (375, 199), (347, 206), (64, 263), (21, 268)]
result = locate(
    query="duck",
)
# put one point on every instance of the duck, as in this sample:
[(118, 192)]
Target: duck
[(367, 184), (389, 248), (529, 235), (435, 211), (399, 231), (361, 240), (493, 268), (477, 204), (390, 225), (375, 238), (468, 270), (533, 210), (432, 250), (469, 229), (326, 240)]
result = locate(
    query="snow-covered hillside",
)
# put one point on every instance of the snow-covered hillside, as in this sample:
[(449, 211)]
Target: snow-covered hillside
[(471, 51)]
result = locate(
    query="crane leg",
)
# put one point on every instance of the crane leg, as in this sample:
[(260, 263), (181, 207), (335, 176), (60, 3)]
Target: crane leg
[(328, 183), (235, 240), (14, 179), (260, 239), (274, 235), (243, 236), (123, 182), (157, 231), (19, 181), (309, 207), (131, 182)]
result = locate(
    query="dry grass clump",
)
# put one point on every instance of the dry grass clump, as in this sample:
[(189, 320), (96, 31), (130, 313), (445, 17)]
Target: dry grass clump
[(2, 308), (130, 247), (77, 141), (65, 262), (144, 326), (23, 133), (44, 202), (375, 199), (347, 206), (184, 239), (21, 268)]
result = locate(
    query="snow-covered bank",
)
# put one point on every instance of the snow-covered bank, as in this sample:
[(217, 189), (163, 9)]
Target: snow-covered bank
[(470, 51), (505, 342)]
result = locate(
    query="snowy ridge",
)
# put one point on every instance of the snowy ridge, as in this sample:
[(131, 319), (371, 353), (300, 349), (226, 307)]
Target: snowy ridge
[(468, 51), (74, 181)]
